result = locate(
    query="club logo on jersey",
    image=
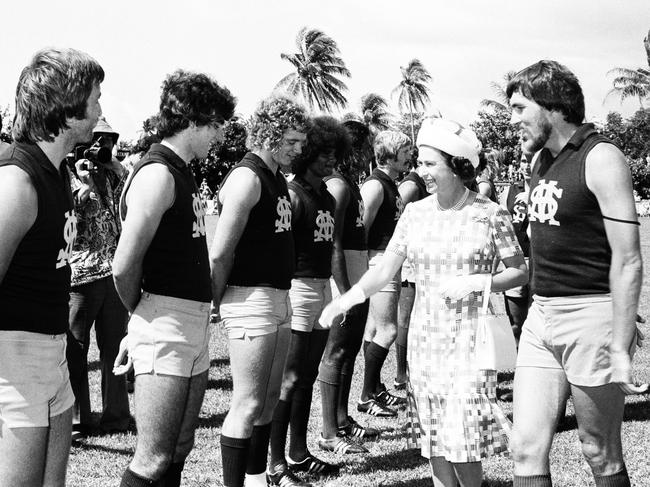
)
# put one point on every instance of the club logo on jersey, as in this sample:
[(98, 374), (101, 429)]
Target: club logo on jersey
[(198, 227), (400, 207), (520, 207), (325, 224), (544, 202), (69, 234), (283, 223), (359, 220)]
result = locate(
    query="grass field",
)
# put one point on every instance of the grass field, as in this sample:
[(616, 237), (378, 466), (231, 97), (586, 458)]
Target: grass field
[(100, 460)]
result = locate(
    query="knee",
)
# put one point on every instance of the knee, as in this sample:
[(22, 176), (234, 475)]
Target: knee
[(151, 465), (246, 410), (602, 458), (289, 383), (525, 450), (334, 357), (387, 334)]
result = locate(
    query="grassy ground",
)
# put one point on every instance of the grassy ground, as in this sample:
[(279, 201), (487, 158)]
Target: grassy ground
[(100, 460)]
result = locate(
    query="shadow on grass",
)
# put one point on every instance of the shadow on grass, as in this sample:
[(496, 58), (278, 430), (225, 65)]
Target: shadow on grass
[(423, 482), (212, 421), (635, 411), (220, 383), (394, 460), (426, 482), (505, 376), (127, 451), (219, 362), (94, 365)]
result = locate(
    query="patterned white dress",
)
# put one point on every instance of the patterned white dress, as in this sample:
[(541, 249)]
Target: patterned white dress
[(451, 403)]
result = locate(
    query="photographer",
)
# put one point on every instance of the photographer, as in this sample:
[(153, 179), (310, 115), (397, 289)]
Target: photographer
[(93, 299)]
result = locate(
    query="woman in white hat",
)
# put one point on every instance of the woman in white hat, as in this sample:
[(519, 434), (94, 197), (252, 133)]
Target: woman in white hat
[(451, 240)]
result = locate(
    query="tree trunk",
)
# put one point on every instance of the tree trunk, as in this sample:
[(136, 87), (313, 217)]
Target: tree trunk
[(412, 125)]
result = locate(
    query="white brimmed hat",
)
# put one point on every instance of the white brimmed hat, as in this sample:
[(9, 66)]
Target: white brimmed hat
[(450, 137)]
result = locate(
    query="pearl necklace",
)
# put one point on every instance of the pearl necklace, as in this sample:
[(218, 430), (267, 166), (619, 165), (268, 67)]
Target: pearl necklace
[(458, 205)]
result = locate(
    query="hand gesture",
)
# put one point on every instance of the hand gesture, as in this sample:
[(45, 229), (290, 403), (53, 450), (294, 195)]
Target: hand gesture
[(331, 314), (118, 367), (622, 373)]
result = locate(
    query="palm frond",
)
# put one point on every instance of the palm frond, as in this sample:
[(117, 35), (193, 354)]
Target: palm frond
[(319, 68)]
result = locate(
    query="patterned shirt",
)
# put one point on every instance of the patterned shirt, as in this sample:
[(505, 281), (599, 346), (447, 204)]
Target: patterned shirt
[(98, 230)]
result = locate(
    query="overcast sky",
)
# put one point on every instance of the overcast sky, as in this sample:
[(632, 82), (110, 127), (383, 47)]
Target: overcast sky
[(464, 44)]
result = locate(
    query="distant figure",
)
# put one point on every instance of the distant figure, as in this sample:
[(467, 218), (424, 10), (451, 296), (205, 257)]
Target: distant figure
[(3, 145), (515, 200), (93, 298), (486, 172)]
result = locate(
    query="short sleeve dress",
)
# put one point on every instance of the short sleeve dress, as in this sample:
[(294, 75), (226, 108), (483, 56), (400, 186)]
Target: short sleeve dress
[(451, 403)]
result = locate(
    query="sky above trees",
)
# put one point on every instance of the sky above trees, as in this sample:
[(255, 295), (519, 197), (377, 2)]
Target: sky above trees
[(465, 45)]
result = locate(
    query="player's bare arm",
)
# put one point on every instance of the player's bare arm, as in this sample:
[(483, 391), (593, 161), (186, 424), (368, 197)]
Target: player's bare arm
[(18, 211), (339, 190), (238, 196), (408, 191), (149, 196), (372, 195), (608, 177)]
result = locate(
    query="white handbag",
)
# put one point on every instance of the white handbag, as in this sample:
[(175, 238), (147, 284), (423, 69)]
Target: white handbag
[(495, 347)]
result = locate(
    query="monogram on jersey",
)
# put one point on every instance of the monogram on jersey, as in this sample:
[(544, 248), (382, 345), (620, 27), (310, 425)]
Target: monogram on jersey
[(325, 227), (544, 202), (520, 207), (400, 207), (198, 227), (359, 221), (283, 223), (69, 234)]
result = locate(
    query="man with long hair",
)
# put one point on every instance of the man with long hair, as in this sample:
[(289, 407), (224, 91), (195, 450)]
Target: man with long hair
[(57, 106)]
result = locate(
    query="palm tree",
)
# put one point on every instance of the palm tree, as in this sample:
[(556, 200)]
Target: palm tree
[(634, 83), (412, 91), (318, 63), (501, 102), (374, 110), (630, 83)]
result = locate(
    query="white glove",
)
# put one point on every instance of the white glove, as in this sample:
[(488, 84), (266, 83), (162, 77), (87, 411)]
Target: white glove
[(460, 286), (340, 306)]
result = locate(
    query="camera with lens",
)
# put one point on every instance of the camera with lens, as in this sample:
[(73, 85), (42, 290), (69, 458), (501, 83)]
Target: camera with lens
[(99, 153)]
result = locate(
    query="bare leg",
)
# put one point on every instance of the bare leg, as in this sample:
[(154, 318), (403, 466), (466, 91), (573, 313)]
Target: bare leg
[(58, 449), (540, 397), (256, 364), (406, 300), (469, 474), (381, 326), (442, 472), (159, 411), (47, 449), (599, 411), (185, 442)]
